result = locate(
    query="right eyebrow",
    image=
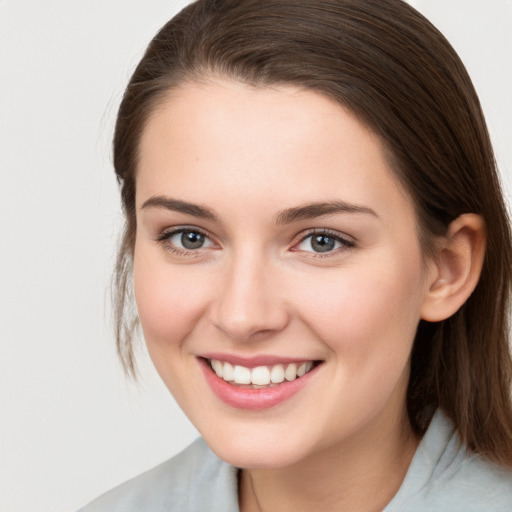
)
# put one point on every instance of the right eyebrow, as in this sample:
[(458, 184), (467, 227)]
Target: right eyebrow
[(314, 210), (176, 205)]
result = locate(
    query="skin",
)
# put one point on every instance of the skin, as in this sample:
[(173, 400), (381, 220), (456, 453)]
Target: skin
[(258, 287)]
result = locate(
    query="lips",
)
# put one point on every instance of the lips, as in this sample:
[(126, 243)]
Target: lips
[(256, 386)]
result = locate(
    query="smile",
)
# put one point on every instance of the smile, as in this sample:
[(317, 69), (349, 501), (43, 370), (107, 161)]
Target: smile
[(260, 376), (257, 386)]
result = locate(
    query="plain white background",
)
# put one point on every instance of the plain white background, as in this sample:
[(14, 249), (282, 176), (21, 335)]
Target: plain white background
[(71, 426)]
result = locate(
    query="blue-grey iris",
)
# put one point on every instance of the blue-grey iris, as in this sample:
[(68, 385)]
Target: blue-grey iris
[(192, 240), (322, 243)]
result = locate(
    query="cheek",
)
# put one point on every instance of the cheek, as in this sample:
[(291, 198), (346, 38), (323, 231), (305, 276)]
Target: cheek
[(366, 310), (169, 300), (170, 304)]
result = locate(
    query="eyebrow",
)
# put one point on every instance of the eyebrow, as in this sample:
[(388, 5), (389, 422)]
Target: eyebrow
[(313, 210), (180, 206), (295, 214)]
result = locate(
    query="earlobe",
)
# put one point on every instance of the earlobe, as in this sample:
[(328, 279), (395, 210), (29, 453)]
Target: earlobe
[(457, 268)]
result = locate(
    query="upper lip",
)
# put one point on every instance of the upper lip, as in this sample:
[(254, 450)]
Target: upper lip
[(254, 361)]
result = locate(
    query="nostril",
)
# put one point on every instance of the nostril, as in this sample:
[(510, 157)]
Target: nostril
[(242, 333)]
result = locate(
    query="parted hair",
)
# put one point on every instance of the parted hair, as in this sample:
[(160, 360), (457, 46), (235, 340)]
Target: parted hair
[(396, 72)]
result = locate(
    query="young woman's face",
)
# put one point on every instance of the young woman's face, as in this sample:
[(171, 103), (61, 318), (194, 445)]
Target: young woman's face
[(273, 240)]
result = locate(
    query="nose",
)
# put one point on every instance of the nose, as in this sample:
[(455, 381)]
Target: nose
[(249, 303)]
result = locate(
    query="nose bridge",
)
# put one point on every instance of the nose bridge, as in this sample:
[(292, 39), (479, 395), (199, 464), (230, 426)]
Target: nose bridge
[(248, 302)]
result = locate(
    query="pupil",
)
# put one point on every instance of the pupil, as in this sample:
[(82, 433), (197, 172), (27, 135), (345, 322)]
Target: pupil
[(192, 240), (322, 243)]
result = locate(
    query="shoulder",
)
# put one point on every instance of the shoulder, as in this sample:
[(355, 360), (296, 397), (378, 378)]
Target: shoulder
[(472, 485), (187, 482), (445, 476), (479, 481)]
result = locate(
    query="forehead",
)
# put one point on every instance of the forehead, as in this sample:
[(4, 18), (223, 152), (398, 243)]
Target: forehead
[(282, 142)]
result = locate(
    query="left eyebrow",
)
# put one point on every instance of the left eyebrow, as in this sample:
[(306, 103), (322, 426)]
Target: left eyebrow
[(313, 210), (168, 203)]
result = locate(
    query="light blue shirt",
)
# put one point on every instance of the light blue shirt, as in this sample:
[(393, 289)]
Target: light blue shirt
[(443, 477)]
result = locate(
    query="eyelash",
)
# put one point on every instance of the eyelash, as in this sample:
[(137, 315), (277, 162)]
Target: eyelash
[(164, 237)]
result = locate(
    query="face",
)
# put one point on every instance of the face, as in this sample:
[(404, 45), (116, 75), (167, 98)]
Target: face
[(277, 271)]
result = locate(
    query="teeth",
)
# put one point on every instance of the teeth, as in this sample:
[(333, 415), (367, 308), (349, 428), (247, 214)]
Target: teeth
[(277, 374), (291, 372), (260, 375), (228, 372), (242, 375), (218, 367), (304, 368)]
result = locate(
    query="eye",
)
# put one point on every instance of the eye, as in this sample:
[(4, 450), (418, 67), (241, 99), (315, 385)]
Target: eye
[(189, 240), (323, 242), (185, 240)]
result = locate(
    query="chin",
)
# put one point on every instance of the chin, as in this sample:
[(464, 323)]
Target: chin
[(255, 452)]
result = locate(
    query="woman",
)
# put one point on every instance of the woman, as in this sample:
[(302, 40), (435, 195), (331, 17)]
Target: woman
[(321, 262)]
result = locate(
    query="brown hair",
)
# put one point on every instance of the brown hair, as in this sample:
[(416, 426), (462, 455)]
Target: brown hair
[(386, 63)]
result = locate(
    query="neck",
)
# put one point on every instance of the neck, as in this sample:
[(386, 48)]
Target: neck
[(362, 474)]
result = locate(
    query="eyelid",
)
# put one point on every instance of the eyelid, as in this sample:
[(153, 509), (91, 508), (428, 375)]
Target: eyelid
[(169, 231)]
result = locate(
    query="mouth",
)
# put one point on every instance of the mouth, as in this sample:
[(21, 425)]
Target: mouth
[(260, 377), (257, 386)]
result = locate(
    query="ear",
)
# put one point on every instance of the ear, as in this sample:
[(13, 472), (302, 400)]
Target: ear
[(456, 269)]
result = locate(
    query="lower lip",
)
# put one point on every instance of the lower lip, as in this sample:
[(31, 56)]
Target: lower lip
[(250, 398)]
